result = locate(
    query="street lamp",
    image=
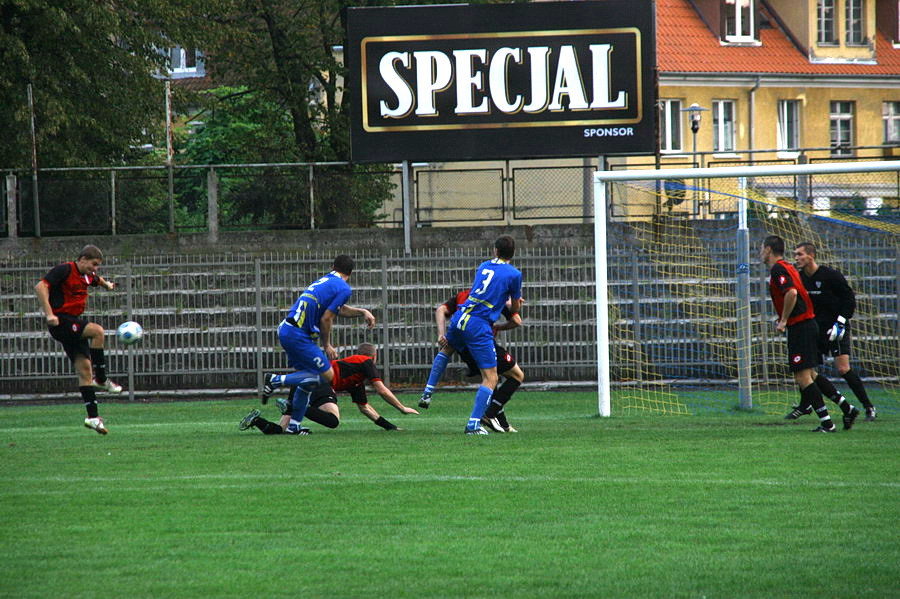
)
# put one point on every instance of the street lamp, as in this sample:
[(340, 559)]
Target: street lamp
[(695, 111)]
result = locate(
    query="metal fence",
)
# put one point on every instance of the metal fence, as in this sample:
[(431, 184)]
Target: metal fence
[(211, 320), (213, 198), (186, 198)]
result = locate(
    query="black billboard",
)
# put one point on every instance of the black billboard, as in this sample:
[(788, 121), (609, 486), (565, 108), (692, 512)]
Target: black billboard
[(461, 82)]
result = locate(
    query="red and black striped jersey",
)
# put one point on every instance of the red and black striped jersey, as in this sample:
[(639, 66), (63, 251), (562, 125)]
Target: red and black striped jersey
[(783, 277), (68, 288), (354, 371)]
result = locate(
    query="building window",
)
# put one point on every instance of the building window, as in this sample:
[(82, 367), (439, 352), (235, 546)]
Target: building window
[(184, 60), (826, 22), (723, 125), (853, 20), (842, 128), (789, 125), (739, 22), (670, 125), (891, 114)]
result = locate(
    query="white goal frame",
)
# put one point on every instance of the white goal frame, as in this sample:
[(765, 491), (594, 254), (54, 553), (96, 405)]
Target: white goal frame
[(741, 173)]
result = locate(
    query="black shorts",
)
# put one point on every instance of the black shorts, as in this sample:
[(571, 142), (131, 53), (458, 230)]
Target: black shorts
[(505, 361), (68, 332), (833, 348), (803, 345), (322, 394)]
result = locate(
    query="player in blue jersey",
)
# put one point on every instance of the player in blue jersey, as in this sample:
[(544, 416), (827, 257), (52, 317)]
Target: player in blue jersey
[(308, 322), (471, 328)]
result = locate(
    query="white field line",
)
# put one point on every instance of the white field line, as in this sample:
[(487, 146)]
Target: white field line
[(354, 418), (221, 481)]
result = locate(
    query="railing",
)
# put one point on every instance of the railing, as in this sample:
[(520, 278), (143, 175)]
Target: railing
[(214, 198)]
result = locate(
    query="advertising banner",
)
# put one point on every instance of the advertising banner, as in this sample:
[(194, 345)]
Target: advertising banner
[(460, 82)]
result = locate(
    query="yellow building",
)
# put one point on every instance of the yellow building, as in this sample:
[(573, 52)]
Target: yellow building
[(783, 79)]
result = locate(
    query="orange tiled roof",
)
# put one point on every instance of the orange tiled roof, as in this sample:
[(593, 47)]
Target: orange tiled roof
[(684, 44)]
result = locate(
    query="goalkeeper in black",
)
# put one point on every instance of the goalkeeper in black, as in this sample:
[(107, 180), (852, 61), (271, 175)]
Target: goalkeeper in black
[(834, 302)]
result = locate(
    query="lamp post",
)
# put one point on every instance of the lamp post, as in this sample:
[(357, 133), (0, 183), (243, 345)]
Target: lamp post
[(696, 111)]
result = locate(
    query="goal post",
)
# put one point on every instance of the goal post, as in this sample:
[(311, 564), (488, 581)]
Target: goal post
[(693, 232)]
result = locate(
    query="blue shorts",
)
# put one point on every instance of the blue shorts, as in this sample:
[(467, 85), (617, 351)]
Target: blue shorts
[(304, 354), (477, 336)]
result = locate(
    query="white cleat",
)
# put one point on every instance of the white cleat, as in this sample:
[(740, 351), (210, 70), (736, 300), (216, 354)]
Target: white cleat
[(492, 424), (109, 386), (96, 424)]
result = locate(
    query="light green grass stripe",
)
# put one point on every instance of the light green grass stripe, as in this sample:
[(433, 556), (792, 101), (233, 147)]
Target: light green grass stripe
[(292, 479)]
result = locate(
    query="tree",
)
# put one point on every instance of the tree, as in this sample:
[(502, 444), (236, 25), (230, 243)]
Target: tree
[(91, 65)]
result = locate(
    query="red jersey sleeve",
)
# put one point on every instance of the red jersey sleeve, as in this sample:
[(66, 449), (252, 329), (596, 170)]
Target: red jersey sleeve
[(781, 278)]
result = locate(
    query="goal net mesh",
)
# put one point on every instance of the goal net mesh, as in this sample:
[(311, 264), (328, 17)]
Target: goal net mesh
[(674, 308)]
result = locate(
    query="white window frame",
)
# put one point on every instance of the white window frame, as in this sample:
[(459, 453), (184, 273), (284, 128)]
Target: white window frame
[(840, 122), (890, 112), (670, 113), (182, 54), (788, 131), (855, 26), (723, 119), (735, 7), (821, 7)]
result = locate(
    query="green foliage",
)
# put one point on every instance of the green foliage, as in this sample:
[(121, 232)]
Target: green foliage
[(92, 69), (176, 502)]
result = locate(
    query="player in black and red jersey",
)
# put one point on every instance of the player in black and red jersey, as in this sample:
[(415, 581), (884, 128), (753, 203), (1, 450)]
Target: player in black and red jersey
[(62, 295), (495, 416), (834, 302), (796, 318), (351, 375)]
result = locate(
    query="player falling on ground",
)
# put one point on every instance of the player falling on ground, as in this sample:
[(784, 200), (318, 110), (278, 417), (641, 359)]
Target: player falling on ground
[(495, 416), (308, 322), (471, 327), (350, 374), (834, 302), (796, 318), (62, 295)]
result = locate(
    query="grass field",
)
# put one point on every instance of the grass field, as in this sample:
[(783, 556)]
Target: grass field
[(176, 502)]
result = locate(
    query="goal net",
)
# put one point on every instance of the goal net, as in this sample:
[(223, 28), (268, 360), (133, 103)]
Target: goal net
[(688, 325)]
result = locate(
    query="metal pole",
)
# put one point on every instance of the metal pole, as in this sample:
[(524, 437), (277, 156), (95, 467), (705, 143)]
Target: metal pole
[(507, 194), (312, 199), (386, 340), (34, 168), (12, 219), (170, 155), (212, 204), (112, 201), (586, 190), (407, 209), (636, 307), (602, 298), (745, 396), (259, 336), (129, 310)]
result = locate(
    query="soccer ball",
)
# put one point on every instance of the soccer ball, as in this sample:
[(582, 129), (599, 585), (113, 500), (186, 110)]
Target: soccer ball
[(129, 332)]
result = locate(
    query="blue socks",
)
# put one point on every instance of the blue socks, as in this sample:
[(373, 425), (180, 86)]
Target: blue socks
[(437, 371), (307, 380), (482, 399), (299, 403)]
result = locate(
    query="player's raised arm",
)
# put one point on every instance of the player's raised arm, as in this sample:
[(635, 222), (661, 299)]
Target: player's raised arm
[(351, 312)]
